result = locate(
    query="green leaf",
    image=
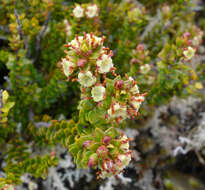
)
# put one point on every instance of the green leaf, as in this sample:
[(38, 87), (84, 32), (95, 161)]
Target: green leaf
[(78, 159), (73, 149), (109, 86), (7, 107), (85, 157), (112, 132), (94, 146), (96, 116), (99, 134), (5, 96)]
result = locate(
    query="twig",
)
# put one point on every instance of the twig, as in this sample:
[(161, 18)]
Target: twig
[(3, 38), (152, 23), (42, 124), (40, 35), (5, 29), (27, 47), (19, 24), (25, 5), (201, 160)]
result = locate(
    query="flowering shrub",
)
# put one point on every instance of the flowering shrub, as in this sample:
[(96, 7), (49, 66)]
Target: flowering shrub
[(85, 98), (104, 104)]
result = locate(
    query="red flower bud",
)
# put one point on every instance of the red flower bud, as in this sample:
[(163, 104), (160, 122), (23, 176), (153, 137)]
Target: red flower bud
[(91, 162), (189, 42), (81, 63), (186, 35), (86, 143), (140, 47), (133, 60), (119, 84), (102, 151), (89, 52), (53, 154), (106, 139)]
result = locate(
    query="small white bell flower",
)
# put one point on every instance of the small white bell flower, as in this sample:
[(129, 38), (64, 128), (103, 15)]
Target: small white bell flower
[(144, 69), (189, 53), (135, 89), (91, 11), (78, 11), (68, 67), (105, 64), (86, 79), (98, 93), (119, 111)]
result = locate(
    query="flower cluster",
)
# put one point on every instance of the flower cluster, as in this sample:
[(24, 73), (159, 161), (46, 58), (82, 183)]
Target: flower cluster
[(140, 63), (189, 51), (192, 43), (126, 100), (88, 62), (86, 59), (110, 166), (90, 11), (8, 187), (106, 158)]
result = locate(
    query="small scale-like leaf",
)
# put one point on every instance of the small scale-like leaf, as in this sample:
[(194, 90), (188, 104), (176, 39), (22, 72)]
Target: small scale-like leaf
[(5, 96)]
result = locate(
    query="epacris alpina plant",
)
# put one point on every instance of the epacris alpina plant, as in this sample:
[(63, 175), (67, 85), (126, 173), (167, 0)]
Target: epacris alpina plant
[(107, 100)]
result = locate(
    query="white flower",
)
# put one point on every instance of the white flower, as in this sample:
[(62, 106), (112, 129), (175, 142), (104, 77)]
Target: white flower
[(114, 167), (8, 187), (139, 98), (189, 53), (68, 27), (65, 21), (98, 93), (108, 165), (130, 79), (196, 41), (106, 170), (125, 159), (85, 42), (124, 146), (144, 69), (136, 105), (86, 79), (104, 64), (150, 80), (94, 40), (118, 110), (68, 30), (76, 43), (135, 89), (105, 174), (129, 83), (109, 169), (78, 11), (91, 11), (68, 67), (137, 101)]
